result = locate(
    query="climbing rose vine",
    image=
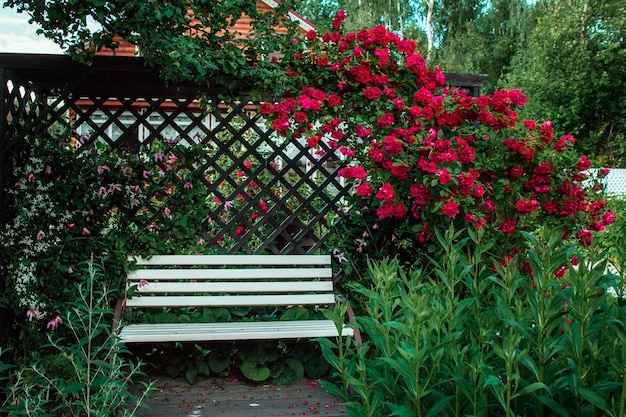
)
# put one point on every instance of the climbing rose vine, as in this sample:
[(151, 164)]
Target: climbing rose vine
[(422, 155)]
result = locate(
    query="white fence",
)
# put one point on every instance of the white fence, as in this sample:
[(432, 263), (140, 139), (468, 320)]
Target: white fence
[(615, 182)]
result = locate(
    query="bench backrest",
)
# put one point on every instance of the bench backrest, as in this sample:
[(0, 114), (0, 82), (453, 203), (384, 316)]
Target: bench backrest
[(231, 280)]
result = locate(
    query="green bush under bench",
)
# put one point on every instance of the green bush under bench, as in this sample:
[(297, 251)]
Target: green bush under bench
[(199, 281)]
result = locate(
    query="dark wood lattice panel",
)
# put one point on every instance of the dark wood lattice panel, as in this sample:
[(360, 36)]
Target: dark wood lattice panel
[(268, 194)]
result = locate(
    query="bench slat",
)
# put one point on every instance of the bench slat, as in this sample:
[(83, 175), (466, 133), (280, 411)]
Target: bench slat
[(236, 287), (231, 301), (188, 332), (205, 274), (235, 260)]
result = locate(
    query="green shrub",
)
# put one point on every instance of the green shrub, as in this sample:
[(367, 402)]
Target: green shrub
[(85, 375), (466, 335)]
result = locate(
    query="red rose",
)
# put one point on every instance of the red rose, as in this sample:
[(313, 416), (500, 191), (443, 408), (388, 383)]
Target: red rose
[(353, 172), (583, 164), (386, 192), (450, 209), (364, 190), (421, 194), (333, 100), (266, 109), (385, 211), (482, 102), (585, 237), (300, 117), (444, 177), (372, 93), (385, 120), (530, 125), (550, 207), (489, 206), (516, 172), (508, 225)]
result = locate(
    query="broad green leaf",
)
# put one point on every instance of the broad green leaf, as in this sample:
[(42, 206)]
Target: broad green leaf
[(531, 388), (191, 375), (439, 406), (72, 388), (254, 371)]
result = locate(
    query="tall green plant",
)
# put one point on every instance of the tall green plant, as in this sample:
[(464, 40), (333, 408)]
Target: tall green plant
[(87, 374), (467, 334)]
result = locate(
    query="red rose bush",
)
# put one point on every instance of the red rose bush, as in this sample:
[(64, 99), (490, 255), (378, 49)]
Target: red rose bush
[(422, 155)]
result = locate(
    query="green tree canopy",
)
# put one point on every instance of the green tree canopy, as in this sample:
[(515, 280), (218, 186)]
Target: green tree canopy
[(574, 73), (161, 30)]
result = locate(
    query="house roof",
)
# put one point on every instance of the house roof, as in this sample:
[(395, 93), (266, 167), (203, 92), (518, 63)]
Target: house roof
[(302, 22)]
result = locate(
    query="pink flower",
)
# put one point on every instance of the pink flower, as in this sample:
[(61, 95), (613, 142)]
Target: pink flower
[(201, 242), (86, 231), (41, 234), (33, 313), (31, 177), (102, 169), (339, 255), (70, 270), (142, 283), (52, 324)]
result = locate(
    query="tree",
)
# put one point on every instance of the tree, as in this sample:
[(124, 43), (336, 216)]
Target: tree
[(574, 72), (477, 37), (188, 39)]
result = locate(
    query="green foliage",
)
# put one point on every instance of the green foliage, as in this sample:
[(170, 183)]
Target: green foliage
[(84, 375), (484, 38), (280, 362), (573, 71), (70, 200), (186, 39), (468, 335)]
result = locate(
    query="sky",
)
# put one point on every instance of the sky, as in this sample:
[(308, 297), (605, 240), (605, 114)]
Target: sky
[(17, 35)]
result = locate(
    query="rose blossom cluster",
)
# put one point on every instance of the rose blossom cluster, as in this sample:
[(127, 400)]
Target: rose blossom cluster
[(422, 154)]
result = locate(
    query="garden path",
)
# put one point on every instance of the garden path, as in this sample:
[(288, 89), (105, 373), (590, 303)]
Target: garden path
[(230, 396)]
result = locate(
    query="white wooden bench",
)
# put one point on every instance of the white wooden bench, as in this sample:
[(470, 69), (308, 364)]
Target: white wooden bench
[(197, 281)]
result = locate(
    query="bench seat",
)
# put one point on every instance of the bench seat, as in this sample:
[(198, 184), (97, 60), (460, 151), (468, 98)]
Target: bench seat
[(204, 332), (216, 281)]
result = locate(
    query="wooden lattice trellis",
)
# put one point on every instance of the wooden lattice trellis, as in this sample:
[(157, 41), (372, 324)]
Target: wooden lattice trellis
[(288, 193)]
